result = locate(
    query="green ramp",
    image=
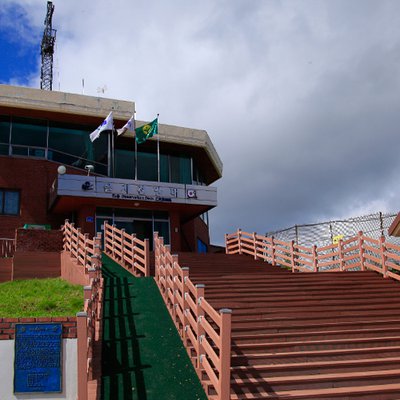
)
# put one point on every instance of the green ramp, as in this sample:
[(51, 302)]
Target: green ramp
[(143, 357)]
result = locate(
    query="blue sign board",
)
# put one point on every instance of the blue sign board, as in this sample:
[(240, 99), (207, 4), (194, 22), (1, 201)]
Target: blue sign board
[(37, 362)]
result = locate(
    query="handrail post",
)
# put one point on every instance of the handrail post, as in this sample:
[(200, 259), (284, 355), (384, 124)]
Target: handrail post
[(383, 256), (134, 255), (97, 252), (82, 338), (255, 245), (239, 238), (315, 258), (224, 389), (147, 257), (273, 255), (200, 330), (340, 254), (226, 244), (185, 306), (85, 252), (156, 256), (123, 247), (361, 250), (174, 288), (292, 256), (112, 240)]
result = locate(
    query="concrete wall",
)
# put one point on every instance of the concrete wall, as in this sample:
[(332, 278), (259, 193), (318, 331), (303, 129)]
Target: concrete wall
[(69, 371)]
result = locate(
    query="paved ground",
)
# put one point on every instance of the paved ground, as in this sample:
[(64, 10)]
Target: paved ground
[(143, 356)]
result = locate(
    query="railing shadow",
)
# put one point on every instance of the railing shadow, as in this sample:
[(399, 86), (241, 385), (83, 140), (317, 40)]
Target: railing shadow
[(122, 367)]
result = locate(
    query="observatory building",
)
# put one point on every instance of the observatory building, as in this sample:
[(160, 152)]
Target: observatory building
[(50, 170)]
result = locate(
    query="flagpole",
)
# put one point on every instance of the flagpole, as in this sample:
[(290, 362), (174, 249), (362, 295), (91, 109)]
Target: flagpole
[(109, 156), (158, 149), (134, 127), (113, 152)]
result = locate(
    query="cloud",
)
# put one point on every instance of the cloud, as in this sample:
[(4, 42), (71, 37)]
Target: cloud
[(301, 99)]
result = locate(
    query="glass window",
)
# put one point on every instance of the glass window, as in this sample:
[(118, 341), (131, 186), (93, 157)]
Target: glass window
[(3, 149), (181, 169), (100, 151), (164, 168), (72, 141), (9, 203), (147, 166), (4, 129), (29, 132), (162, 227), (124, 164)]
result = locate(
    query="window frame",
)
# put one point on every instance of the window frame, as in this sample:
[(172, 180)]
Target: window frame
[(3, 192)]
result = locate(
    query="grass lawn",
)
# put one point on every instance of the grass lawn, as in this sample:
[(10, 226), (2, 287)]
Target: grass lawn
[(40, 298)]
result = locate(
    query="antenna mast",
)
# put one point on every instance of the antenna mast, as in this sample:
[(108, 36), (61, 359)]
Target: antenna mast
[(47, 50)]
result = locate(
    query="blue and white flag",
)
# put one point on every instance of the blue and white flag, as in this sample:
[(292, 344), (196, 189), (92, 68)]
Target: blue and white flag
[(107, 125), (128, 127)]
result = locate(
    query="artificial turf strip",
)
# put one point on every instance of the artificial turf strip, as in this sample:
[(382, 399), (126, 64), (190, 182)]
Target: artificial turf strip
[(142, 356)]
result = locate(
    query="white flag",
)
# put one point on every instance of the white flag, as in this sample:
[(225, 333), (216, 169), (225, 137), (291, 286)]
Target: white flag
[(128, 127), (107, 125)]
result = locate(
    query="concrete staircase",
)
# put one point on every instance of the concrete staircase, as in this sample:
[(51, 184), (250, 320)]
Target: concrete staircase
[(305, 335)]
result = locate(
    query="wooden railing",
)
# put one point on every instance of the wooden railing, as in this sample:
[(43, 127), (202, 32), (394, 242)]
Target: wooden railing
[(359, 252), (86, 253), (127, 250), (205, 332), (7, 247), (80, 247)]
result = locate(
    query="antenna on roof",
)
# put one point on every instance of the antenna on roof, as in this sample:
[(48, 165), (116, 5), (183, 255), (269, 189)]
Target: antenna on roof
[(102, 89), (47, 50)]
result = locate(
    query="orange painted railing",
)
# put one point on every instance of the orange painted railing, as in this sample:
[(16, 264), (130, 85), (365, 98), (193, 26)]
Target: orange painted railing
[(7, 247), (205, 332), (80, 247), (87, 253), (127, 250), (359, 252)]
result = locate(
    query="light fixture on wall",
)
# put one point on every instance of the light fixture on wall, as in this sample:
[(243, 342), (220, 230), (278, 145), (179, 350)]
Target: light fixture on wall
[(61, 170), (89, 168)]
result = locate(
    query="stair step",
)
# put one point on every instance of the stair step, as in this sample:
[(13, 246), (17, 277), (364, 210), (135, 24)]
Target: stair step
[(324, 380), (316, 367), (371, 392), (313, 335), (352, 343), (302, 356)]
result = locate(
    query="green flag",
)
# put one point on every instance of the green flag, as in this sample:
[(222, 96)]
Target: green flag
[(146, 131)]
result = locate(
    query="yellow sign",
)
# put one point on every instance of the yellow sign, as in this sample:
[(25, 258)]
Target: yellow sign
[(337, 238)]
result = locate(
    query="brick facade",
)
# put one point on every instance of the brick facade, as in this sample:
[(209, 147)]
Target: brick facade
[(34, 179), (38, 240), (7, 326)]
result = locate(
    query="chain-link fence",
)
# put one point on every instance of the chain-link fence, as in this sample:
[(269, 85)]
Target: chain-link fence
[(326, 233)]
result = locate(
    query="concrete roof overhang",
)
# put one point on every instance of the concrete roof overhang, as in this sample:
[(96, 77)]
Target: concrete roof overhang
[(89, 110), (67, 204)]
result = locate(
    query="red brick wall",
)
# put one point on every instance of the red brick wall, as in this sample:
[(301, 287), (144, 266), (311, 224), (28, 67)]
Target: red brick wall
[(72, 272), (193, 230), (87, 227), (34, 178), (37, 240), (7, 325)]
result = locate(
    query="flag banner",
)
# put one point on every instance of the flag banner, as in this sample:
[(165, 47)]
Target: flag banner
[(128, 127), (107, 125), (146, 131)]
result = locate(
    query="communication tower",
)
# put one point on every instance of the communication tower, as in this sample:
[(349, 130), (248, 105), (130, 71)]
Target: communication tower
[(47, 50)]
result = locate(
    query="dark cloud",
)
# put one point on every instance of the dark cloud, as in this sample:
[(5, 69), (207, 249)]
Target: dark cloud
[(301, 99)]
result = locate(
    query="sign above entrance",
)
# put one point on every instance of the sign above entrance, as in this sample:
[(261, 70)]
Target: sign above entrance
[(121, 189)]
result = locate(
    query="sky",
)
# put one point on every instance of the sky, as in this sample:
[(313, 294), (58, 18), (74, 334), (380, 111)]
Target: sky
[(300, 98)]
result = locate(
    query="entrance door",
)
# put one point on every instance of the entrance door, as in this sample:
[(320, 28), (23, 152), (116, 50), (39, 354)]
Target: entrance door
[(144, 230)]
